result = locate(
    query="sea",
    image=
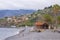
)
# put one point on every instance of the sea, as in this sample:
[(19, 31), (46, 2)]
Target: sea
[(7, 32)]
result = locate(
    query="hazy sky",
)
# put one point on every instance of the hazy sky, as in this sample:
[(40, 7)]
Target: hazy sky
[(27, 4)]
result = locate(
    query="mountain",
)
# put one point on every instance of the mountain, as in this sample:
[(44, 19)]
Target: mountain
[(7, 13)]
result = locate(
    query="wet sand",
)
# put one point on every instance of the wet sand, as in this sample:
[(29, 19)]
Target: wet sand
[(26, 35)]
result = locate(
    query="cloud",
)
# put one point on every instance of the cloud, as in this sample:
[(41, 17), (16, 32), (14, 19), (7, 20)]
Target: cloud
[(26, 4)]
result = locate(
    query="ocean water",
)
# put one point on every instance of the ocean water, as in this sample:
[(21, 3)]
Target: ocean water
[(7, 32)]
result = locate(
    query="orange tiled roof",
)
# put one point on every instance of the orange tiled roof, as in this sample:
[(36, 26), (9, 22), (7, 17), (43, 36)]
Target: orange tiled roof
[(38, 23)]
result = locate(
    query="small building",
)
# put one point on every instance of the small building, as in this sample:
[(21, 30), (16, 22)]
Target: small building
[(38, 25), (41, 25)]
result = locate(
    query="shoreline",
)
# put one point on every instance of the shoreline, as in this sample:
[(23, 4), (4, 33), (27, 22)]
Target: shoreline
[(20, 31), (8, 32), (46, 35)]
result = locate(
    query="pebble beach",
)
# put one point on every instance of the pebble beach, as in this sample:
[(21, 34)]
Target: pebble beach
[(27, 35)]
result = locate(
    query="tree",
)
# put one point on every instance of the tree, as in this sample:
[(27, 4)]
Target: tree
[(58, 19), (48, 18), (56, 9), (28, 23)]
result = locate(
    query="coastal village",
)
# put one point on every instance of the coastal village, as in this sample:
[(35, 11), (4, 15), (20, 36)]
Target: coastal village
[(49, 15), (41, 24), (14, 19), (29, 19)]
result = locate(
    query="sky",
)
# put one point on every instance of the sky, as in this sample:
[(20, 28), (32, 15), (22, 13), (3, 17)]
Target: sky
[(26, 4)]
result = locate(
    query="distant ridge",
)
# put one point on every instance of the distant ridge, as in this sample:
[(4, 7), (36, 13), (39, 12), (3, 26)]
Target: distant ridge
[(7, 13)]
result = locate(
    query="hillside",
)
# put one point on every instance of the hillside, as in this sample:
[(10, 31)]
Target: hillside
[(51, 15), (7, 13)]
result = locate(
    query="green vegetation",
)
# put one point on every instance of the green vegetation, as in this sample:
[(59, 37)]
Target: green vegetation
[(51, 15), (56, 9), (48, 18), (58, 19)]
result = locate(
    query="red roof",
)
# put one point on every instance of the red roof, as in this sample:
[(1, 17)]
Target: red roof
[(38, 23)]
